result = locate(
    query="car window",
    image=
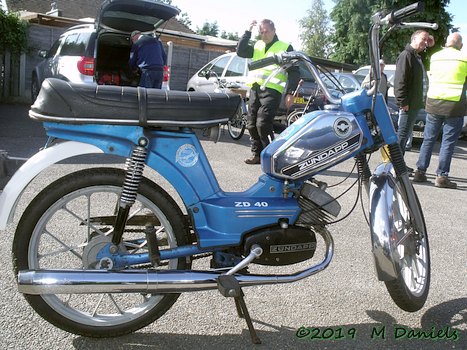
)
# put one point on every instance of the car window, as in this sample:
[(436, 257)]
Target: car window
[(220, 65), (236, 67), (75, 44), (54, 48), (347, 83), (305, 73), (362, 71)]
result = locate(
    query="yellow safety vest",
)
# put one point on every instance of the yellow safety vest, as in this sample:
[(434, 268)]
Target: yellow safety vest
[(448, 70), (259, 76)]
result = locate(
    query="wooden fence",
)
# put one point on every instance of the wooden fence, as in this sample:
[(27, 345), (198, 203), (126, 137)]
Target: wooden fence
[(11, 82)]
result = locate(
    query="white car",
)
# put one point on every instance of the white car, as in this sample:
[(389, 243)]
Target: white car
[(228, 67), (389, 70)]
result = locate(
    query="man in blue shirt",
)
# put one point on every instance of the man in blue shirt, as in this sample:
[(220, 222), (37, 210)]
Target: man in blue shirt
[(147, 54)]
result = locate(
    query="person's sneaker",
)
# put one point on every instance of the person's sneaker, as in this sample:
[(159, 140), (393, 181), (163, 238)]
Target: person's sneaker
[(253, 160), (443, 182), (419, 176)]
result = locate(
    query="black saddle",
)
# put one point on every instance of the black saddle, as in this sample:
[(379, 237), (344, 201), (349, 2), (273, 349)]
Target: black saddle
[(64, 102)]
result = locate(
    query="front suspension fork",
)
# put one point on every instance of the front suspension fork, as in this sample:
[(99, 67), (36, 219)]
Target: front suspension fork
[(133, 175)]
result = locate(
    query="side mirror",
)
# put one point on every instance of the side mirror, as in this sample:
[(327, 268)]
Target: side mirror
[(42, 53)]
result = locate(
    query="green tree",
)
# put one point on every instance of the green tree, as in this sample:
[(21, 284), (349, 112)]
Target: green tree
[(211, 29), (230, 36), (185, 19), (352, 19), (315, 30), (14, 33)]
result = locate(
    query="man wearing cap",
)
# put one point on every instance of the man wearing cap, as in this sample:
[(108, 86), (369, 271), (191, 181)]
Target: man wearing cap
[(147, 54)]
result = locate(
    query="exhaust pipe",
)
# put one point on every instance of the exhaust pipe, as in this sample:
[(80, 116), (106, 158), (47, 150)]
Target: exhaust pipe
[(149, 281)]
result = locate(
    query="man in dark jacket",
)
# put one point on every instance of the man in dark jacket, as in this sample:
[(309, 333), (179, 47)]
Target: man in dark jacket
[(147, 54), (263, 104), (410, 84)]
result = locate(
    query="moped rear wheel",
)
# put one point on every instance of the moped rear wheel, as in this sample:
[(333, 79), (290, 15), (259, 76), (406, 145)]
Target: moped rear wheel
[(74, 214), (410, 253)]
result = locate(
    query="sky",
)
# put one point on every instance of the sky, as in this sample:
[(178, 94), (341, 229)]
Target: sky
[(236, 16)]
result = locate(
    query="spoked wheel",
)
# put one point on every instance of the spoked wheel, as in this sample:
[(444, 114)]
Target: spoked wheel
[(293, 117), (237, 125), (410, 252), (69, 221)]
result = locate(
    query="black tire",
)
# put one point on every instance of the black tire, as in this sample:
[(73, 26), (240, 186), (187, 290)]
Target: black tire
[(410, 289), (35, 88), (294, 116), (237, 125), (53, 233)]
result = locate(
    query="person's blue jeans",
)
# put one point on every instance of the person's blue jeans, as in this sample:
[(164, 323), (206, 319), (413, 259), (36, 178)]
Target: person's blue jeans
[(405, 126), (452, 128), (151, 78)]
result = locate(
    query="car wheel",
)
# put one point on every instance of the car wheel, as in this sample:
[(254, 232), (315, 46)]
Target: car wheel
[(35, 88)]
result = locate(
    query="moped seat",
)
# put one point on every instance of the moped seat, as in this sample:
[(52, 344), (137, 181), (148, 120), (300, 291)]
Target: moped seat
[(64, 102)]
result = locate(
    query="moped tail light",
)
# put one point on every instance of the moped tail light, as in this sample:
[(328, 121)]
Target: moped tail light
[(86, 65)]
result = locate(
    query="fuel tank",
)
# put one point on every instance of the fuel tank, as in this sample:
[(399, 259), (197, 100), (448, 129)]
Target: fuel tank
[(313, 143)]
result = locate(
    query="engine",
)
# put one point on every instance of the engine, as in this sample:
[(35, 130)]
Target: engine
[(282, 246)]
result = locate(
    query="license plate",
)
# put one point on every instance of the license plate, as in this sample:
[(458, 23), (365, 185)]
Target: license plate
[(299, 100), (417, 134)]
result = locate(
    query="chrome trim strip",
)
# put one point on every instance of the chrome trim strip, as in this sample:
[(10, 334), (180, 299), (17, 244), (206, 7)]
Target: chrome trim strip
[(65, 120)]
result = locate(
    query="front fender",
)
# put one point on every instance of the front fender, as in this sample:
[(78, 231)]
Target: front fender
[(34, 166), (382, 187)]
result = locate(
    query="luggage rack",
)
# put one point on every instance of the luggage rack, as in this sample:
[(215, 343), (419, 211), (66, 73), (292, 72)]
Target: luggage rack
[(8, 166)]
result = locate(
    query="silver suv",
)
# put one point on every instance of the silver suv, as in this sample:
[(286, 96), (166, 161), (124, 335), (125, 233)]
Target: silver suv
[(98, 53)]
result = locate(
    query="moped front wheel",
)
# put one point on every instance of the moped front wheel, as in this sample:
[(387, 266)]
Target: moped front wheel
[(69, 221), (410, 253)]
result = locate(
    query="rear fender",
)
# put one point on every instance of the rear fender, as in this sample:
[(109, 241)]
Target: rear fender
[(34, 166)]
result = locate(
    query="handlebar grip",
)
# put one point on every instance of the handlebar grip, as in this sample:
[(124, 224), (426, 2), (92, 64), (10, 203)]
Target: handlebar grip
[(264, 62), (399, 15)]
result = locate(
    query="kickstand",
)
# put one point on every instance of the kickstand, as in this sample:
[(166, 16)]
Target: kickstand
[(229, 287)]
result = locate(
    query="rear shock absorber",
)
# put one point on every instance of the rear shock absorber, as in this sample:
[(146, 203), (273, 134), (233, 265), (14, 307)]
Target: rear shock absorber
[(133, 175)]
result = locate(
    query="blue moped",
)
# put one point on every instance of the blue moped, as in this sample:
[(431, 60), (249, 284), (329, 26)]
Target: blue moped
[(104, 251)]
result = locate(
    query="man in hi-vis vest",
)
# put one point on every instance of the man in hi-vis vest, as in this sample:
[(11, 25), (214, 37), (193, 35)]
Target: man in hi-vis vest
[(263, 105), (445, 106)]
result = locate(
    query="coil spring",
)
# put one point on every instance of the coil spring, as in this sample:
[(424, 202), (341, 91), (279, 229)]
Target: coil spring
[(363, 168), (397, 158), (134, 167)]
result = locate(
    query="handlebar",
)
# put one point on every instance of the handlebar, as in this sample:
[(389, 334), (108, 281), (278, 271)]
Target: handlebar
[(264, 62), (398, 15)]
